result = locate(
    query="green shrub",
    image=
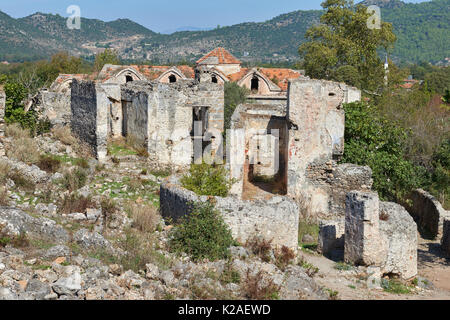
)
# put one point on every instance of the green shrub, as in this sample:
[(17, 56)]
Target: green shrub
[(373, 140), (207, 180), (202, 234)]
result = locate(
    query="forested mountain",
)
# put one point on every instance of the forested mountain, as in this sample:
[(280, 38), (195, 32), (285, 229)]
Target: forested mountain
[(422, 30)]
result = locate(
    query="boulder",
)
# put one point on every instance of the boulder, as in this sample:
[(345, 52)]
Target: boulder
[(16, 221)]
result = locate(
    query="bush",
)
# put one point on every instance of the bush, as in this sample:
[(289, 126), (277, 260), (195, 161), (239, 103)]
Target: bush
[(373, 140), (145, 217), (74, 203), (202, 234), (48, 163), (63, 134), (23, 147), (207, 180), (73, 180), (234, 95)]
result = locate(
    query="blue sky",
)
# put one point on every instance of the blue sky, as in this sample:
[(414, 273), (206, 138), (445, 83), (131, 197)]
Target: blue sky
[(166, 15)]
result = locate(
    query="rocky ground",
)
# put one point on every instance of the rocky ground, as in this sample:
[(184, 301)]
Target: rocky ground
[(72, 228)]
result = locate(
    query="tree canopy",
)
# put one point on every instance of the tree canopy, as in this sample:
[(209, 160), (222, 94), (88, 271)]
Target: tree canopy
[(344, 48)]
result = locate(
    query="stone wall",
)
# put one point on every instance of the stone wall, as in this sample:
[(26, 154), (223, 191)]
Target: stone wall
[(317, 120), (445, 241), (380, 234), (275, 220), (89, 119), (84, 113), (427, 212), (169, 108), (334, 181), (56, 107)]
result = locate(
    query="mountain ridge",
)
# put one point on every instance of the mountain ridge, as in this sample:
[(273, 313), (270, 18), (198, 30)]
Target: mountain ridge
[(422, 30)]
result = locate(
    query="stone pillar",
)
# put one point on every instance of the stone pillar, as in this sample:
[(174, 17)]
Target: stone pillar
[(2, 121), (445, 241), (362, 229)]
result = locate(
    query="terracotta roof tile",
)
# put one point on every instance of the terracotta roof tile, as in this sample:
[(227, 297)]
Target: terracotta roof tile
[(223, 56), (280, 76)]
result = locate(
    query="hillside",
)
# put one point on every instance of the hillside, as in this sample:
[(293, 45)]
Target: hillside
[(422, 31)]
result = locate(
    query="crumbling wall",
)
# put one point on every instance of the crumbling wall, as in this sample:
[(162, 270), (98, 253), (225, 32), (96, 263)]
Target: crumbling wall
[(380, 234), (56, 107), (89, 120), (275, 220), (427, 212), (169, 109), (335, 181), (332, 238), (445, 241), (317, 120)]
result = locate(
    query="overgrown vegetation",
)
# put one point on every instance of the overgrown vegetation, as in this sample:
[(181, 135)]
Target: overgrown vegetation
[(207, 180), (234, 95), (202, 234)]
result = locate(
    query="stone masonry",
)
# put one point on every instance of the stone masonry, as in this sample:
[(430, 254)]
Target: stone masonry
[(362, 229), (428, 213), (380, 234), (445, 241), (275, 220)]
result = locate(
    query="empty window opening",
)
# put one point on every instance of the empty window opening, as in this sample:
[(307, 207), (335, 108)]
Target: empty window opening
[(254, 87), (214, 79), (172, 79), (128, 79)]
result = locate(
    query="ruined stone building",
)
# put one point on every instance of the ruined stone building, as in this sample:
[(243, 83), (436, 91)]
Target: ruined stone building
[(158, 116), (267, 85)]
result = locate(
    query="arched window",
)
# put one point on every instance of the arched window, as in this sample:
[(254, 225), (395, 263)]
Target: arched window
[(214, 79), (172, 79), (254, 87), (128, 78)]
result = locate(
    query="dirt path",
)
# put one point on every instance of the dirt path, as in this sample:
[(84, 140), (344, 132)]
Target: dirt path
[(431, 266)]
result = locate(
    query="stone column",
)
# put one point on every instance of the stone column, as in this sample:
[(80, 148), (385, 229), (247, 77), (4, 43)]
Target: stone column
[(2, 121), (362, 229)]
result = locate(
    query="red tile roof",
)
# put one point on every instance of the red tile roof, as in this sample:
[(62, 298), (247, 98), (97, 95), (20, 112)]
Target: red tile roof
[(280, 76), (224, 57)]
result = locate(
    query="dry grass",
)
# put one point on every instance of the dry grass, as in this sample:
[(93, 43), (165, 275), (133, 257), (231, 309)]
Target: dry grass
[(6, 172), (73, 203), (23, 147), (48, 164), (4, 198), (145, 217), (255, 287), (260, 247), (15, 131), (283, 257), (73, 179), (63, 134)]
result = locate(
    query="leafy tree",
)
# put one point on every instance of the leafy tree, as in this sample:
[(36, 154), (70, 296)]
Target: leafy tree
[(343, 39), (373, 140), (106, 57), (234, 95), (440, 182)]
